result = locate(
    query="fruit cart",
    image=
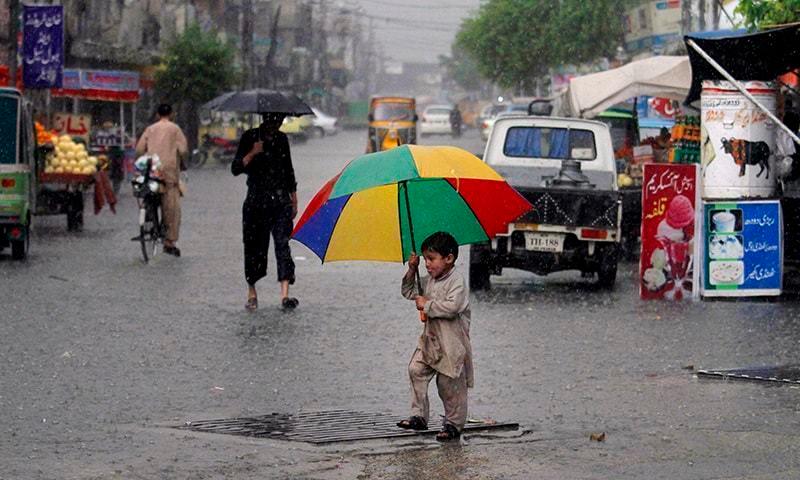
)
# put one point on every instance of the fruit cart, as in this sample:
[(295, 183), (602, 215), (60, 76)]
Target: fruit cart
[(64, 172)]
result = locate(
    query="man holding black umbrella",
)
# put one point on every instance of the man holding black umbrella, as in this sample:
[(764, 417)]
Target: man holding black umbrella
[(270, 206)]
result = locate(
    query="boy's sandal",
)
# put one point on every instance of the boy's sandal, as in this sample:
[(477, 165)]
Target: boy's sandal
[(448, 433), (413, 423), (290, 303), (251, 305)]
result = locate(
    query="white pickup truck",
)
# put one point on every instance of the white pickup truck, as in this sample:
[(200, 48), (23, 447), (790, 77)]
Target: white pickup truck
[(565, 167)]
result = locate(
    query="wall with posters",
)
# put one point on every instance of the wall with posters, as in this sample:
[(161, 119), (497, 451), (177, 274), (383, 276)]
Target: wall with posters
[(742, 246), (670, 199)]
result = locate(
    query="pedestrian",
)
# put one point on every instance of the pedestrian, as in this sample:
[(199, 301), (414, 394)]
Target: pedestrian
[(165, 139), (455, 121), (443, 349), (270, 206)]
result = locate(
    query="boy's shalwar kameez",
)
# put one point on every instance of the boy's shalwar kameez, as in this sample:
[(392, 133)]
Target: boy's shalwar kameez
[(444, 347)]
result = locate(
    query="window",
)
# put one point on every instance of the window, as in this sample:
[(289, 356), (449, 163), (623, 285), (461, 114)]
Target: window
[(393, 111), (550, 143), (9, 136)]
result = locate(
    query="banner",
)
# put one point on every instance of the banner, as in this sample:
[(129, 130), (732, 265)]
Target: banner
[(42, 46), (743, 245), (106, 85), (670, 199)]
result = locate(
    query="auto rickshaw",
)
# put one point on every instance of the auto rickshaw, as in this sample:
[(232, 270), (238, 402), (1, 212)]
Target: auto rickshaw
[(16, 172), (392, 122)]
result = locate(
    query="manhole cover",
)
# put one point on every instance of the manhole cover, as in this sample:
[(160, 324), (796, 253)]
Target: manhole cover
[(326, 426), (781, 374)]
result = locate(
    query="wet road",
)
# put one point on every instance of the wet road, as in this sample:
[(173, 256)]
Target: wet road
[(101, 354)]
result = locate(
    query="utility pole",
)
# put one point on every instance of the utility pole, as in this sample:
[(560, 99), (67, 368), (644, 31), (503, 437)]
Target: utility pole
[(701, 15), (273, 46), (686, 16), (13, 32), (248, 16)]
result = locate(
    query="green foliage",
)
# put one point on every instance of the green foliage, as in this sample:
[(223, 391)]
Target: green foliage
[(515, 41), (762, 13), (197, 67)]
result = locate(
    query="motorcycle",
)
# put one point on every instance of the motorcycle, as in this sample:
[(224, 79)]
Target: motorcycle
[(222, 149)]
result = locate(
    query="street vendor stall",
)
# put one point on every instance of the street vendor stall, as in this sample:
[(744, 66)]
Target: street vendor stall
[(594, 95), (749, 221), (65, 166)]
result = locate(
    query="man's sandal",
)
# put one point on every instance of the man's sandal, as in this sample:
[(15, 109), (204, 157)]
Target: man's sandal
[(413, 423), (289, 303), (448, 433), (251, 305)]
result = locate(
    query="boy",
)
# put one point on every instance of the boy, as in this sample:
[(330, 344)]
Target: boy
[(444, 348)]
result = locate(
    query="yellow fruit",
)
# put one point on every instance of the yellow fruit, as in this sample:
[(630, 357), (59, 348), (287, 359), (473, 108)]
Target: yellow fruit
[(59, 169)]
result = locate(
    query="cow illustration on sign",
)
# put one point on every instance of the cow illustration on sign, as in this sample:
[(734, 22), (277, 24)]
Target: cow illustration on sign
[(745, 152)]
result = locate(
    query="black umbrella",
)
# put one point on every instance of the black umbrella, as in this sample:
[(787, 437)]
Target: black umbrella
[(216, 101), (260, 100)]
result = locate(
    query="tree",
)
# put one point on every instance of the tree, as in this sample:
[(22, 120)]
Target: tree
[(516, 41), (197, 67), (762, 13)]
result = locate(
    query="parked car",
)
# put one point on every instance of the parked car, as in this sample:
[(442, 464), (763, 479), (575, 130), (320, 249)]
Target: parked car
[(296, 128), (323, 124), (565, 167), (435, 120)]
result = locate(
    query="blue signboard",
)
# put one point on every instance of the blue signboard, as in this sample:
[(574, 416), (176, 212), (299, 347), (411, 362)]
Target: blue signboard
[(743, 248), (42, 46)]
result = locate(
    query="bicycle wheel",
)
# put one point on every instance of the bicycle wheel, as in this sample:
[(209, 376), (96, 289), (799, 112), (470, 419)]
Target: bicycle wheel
[(143, 242)]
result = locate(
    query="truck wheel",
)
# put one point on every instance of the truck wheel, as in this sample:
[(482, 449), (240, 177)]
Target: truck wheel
[(75, 212), (607, 272), (479, 276)]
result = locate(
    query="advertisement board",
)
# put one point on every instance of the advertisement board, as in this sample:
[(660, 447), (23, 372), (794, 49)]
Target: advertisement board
[(670, 201), (742, 248), (76, 126), (738, 140)]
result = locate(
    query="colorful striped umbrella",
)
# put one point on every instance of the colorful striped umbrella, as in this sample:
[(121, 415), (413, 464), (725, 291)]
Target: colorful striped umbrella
[(384, 204)]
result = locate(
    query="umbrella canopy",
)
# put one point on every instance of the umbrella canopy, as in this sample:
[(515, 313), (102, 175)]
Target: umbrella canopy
[(260, 100), (382, 205), (213, 103), (661, 76)]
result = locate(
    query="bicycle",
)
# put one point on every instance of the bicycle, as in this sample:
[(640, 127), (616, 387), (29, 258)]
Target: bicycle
[(146, 189)]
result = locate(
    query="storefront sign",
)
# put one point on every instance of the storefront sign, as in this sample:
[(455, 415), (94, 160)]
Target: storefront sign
[(42, 46), (743, 245), (76, 126), (107, 85), (670, 198)]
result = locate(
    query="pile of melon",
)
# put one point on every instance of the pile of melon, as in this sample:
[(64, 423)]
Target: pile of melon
[(70, 157)]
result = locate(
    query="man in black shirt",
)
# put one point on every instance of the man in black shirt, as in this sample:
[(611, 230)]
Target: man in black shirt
[(270, 206)]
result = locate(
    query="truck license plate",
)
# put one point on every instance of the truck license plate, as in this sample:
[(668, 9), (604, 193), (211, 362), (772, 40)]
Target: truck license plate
[(544, 242)]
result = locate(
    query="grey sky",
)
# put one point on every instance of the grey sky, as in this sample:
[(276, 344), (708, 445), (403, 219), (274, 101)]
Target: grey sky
[(416, 30)]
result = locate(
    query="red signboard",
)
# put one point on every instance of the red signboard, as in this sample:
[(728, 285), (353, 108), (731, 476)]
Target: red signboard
[(670, 200)]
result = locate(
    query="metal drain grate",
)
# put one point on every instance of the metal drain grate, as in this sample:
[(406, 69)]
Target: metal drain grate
[(781, 374), (326, 426)]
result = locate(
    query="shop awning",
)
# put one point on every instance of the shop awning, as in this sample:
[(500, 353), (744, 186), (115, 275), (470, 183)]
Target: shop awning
[(661, 76), (756, 56)]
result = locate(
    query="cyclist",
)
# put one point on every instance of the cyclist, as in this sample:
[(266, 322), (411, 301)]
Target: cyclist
[(165, 139)]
